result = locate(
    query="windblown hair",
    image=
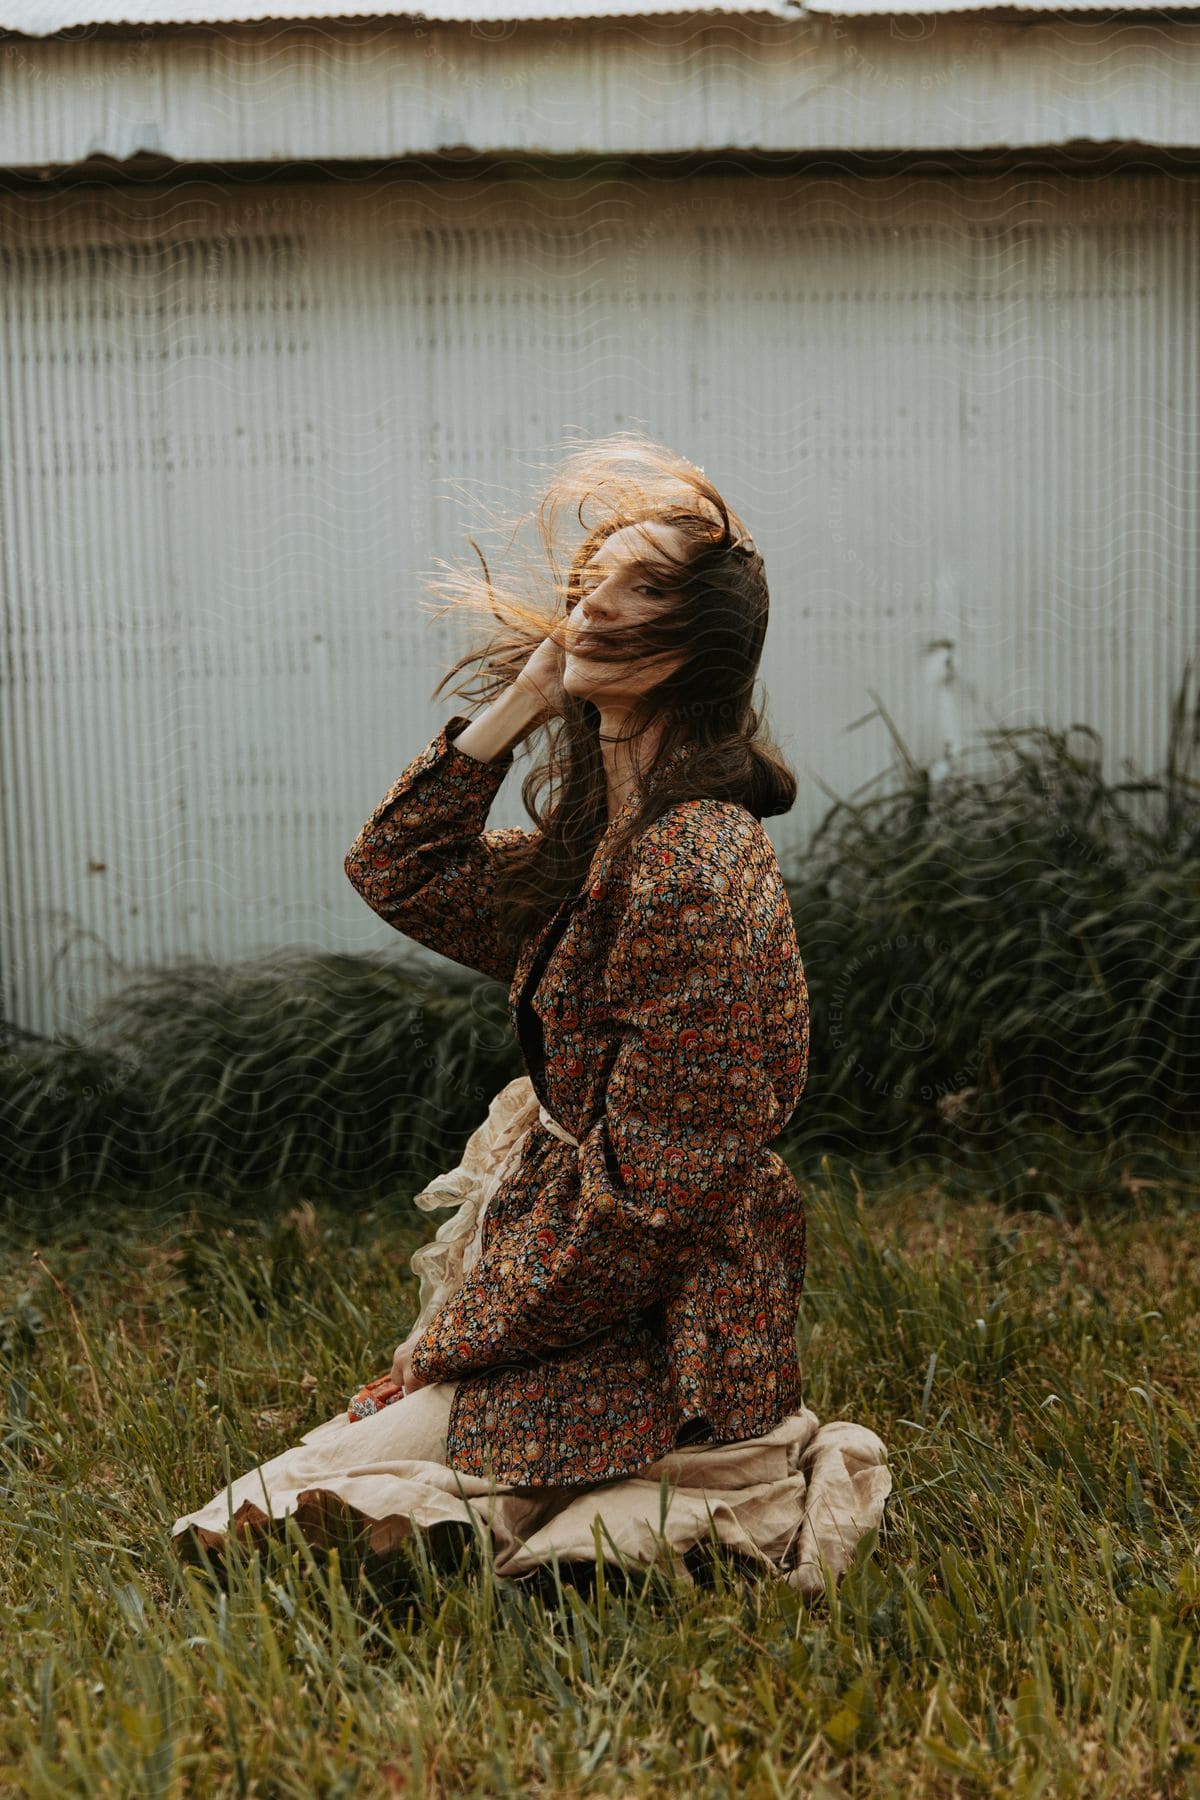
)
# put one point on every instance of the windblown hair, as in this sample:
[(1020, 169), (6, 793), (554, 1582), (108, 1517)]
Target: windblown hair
[(716, 618)]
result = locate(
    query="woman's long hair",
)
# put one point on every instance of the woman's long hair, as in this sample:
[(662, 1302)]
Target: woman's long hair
[(717, 622)]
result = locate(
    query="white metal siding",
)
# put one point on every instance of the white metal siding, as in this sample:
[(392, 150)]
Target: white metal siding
[(960, 415), (276, 93)]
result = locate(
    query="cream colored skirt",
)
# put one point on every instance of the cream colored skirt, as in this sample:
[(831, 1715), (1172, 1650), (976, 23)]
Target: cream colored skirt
[(793, 1501)]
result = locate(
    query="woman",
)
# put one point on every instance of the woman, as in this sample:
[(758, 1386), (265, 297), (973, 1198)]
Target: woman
[(631, 1282)]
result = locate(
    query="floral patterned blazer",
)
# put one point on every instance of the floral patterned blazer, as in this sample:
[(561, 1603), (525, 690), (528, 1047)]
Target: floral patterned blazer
[(638, 1289)]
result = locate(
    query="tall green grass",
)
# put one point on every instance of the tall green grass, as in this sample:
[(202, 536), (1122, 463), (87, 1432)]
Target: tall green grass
[(1009, 953), (1026, 1621), (325, 1069)]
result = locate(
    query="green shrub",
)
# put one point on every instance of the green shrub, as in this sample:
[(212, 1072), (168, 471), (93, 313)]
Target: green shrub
[(301, 1067), (1012, 953)]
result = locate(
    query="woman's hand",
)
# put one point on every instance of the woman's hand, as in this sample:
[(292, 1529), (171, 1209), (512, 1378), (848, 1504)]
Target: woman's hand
[(541, 678), (402, 1372), (527, 702)]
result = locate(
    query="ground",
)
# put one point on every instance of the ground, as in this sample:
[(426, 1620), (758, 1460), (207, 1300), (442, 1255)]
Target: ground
[(1027, 1621)]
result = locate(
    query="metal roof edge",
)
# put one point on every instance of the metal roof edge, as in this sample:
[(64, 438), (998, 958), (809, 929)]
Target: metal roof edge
[(43, 21), (882, 9), (67, 19)]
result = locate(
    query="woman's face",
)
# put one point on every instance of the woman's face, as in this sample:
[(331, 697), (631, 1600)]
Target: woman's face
[(614, 595)]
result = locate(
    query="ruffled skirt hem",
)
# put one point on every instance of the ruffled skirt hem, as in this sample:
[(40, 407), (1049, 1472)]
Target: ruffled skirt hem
[(793, 1503)]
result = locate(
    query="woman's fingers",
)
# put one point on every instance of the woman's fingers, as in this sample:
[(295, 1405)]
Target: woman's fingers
[(542, 674), (400, 1361), (402, 1372)]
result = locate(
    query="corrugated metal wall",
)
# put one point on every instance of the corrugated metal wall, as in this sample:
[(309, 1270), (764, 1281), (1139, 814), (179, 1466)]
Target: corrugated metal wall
[(275, 92), (959, 414)]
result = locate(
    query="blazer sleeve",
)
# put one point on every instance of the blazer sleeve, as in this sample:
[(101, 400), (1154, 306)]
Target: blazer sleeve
[(425, 864), (688, 1105)]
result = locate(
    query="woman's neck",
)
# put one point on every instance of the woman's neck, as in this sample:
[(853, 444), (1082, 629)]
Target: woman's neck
[(625, 764)]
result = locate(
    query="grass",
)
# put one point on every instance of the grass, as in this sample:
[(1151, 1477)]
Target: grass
[(1026, 1621), (1010, 948), (293, 1068)]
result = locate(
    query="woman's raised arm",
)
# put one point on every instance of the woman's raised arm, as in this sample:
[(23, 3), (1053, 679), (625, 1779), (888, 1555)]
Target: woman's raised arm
[(423, 860)]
